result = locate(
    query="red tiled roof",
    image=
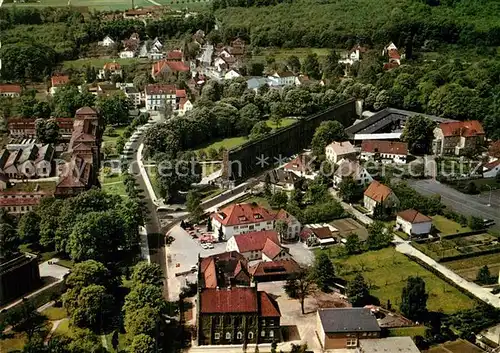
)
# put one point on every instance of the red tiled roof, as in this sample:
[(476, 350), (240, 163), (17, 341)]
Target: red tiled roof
[(174, 66), (391, 65), (394, 54), (182, 102), (413, 216), (174, 55), (234, 300), (160, 89), (10, 88), (284, 216), (299, 164), (377, 191), (268, 306), (112, 66), (389, 147), (271, 249), (272, 268), (59, 80), (320, 232), (4, 202), (462, 128), (245, 213), (492, 165), (208, 266), (255, 241), (180, 93)]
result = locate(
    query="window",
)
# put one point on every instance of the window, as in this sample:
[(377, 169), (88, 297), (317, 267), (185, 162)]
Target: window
[(217, 336), (250, 335), (239, 335), (263, 333), (228, 335), (263, 322), (364, 334), (271, 333), (352, 342)]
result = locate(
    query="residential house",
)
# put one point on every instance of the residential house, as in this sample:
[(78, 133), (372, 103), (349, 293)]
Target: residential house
[(340, 328), (392, 53), (19, 202), (10, 168), (255, 83), (10, 90), (134, 95), (237, 316), (166, 67), (294, 226), (127, 53), (282, 180), (413, 222), (491, 169), (241, 218), (258, 245), (113, 68), (458, 137), (27, 163), (175, 55), (152, 50), (270, 271), (237, 47), (319, 235), (231, 74), (283, 78), (351, 169), (228, 269), (379, 194), (58, 81), (225, 63), (353, 55), (384, 151), (336, 151), (43, 161), (185, 106), (106, 42), (388, 345), (158, 95), (301, 166), (25, 127)]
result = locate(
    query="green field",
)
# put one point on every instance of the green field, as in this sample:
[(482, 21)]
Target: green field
[(113, 185), (281, 55), (446, 226), (387, 270), (407, 331), (111, 5), (100, 62), (467, 268), (227, 143), (284, 123)]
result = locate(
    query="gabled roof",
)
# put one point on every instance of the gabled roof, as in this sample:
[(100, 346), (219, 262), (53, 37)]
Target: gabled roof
[(273, 268), (349, 168), (268, 306), (345, 320), (271, 249), (160, 89), (394, 54), (59, 80), (377, 191), (180, 93), (255, 241), (218, 270), (413, 216), (174, 55), (320, 232), (113, 66), (234, 300), (45, 153), (462, 128), (282, 177), (342, 148), (491, 165), (174, 66), (299, 164), (388, 147), (285, 216), (244, 213), (86, 111), (10, 88)]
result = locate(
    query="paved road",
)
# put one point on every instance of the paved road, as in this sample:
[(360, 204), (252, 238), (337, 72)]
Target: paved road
[(470, 205)]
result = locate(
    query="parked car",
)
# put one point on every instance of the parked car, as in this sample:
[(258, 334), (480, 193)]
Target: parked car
[(204, 246), (210, 246)]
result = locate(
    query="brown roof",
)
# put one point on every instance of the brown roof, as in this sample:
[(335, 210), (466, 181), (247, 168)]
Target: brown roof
[(272, 268), (285, 216), (413, 216), (268, 306), (271, 249), (377, 191), (113, 66), (244, 213), (10, 88), (174, 66), (180, 93), (462, 128), (394, 54), (174, 55), (255, 241), (86, 111), (160, 89), (492, 165), (320, 232), (227, 264), (59, 80), (299, 164), (389, 147)]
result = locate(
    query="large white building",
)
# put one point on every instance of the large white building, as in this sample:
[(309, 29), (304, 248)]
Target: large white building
[(384, 151), (258, 245), (157, 95), (351, 169), (241, 218), (337, 151)]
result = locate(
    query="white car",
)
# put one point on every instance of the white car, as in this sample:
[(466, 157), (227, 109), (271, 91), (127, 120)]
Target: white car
[(210, 246), (205, 246)]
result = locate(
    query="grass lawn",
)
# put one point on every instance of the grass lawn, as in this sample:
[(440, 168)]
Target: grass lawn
[(49, 186), (283, 54), (122, 342), (209, 168), (468, 268), (14, 343), (153, 177), (284, 123), (54, 313), (114, 185), (262, 201), (447, 226), (65, 263), (42, 257), (63, 328), (118, 132), (227, 143), (99, 62), (387, 270), (407, 331)]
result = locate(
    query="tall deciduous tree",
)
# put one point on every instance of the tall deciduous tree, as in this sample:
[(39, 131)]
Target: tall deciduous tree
[(293, 64), (259, 129), (378, 236), (311, 66), (332, 67), (350, 190), (352, 245), (419, 133), (143, 295), (324, 272), (115, 108), (29, 227), (326, 133), (414, 299), (282, 228), (47, 130), (142, 344), (484, 276), (141, 321), (93, 307), (147, 273), (301, 286), (86, 273), (358, 292)]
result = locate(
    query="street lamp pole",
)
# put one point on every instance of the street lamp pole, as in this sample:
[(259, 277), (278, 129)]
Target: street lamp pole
[(489, 199)]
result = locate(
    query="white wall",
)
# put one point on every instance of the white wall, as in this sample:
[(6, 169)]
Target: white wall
[(417, 228)]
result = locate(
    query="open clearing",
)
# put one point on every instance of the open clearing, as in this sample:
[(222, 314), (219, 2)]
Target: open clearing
[(447, 226), (387, 270), (460, 346)]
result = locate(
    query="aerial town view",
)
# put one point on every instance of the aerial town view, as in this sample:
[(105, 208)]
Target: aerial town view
[(299, 176)]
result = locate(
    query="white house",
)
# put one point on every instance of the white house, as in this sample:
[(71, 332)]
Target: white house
[(231, 74), (258, 245), (294, 226), (134, 95), (237, 219), (106, 42), (113, 68), (378, 193), (384, 151), (491, 169), (337, 151), (413, 222), (282, 78), (353, 55), (127, 53), (351, 169), (301, 166), (10, 90), (159, 94), (185, 105)]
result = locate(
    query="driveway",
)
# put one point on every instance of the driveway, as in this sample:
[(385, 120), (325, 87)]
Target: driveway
[(470, 205)]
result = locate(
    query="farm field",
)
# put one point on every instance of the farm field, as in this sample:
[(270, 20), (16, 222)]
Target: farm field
[(282, 55), (467, 268), (387, 270)]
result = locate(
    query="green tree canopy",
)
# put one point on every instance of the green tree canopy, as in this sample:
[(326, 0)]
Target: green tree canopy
[(324, 272), (141, 321), (419, 133), (147, 273), (358, 292), (142, 344), (414, 299), (29, 227), (326, 133)]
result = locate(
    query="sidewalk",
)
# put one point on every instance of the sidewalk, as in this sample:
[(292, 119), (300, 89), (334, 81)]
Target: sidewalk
[(145, 176)]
